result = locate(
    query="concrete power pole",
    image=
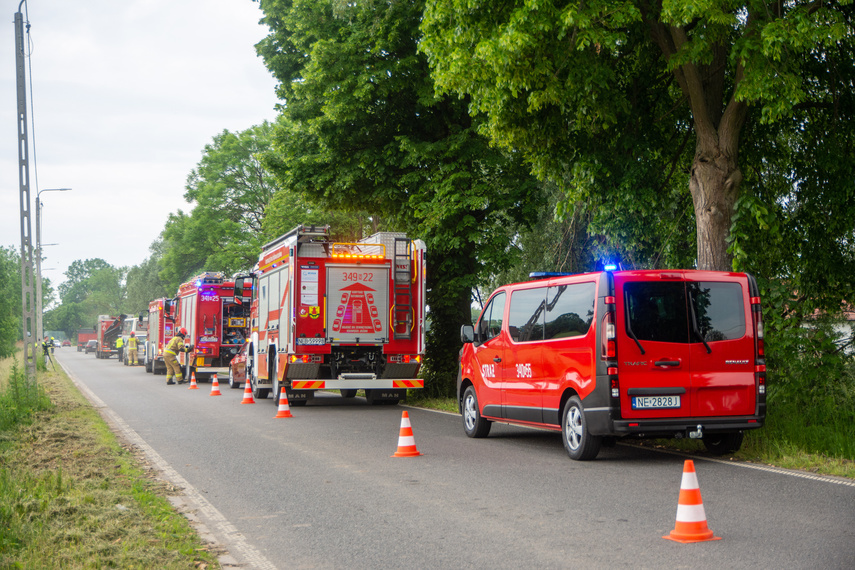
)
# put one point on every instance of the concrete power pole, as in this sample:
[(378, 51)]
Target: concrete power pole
[(27, 290)]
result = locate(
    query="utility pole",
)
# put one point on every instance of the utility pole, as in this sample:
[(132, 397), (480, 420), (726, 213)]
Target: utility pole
[(27, 291)]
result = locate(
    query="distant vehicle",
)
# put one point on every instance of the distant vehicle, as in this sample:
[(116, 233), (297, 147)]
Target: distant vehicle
[(91, 346), (83, 336), (238, 368), (66, 342)]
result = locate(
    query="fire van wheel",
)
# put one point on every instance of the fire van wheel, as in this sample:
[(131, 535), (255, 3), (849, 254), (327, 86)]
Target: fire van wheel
[(473, 424), (348, 393), (723, 443), (579, 443)]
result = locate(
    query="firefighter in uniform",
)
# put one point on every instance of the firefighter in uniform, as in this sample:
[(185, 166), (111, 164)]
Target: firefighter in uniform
[(119, 343), (132, 348), (170, 356)]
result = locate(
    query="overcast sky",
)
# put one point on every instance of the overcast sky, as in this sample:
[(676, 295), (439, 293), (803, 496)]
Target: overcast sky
[(126, 94)]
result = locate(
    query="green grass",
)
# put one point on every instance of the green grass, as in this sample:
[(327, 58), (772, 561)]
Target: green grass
[(72, 497)]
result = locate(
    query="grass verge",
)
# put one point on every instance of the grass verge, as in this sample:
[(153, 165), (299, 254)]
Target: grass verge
[(71, 496)]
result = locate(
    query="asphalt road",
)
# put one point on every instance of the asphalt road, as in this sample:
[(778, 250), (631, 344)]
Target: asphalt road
[(321, 490)]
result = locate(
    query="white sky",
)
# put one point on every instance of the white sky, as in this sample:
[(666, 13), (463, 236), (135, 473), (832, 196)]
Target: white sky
[(126, 94)]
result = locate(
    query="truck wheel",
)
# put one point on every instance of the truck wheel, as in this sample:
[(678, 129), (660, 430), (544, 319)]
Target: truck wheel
[(579, 443), (233, 384), (259, 393), (473, 424), (723, 443), (148, 366), (374, 398), (348, 393)]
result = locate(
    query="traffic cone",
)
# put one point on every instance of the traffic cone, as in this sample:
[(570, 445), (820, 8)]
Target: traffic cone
[(691, 520), (215, 386), (284, 408), (406, 441), (247, 394), (193, 385)]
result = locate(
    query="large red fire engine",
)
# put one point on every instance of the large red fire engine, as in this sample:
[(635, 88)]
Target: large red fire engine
[(160, 331), (344, 316), (216, 324)]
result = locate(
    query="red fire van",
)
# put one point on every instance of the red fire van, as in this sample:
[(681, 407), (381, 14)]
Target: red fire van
[(614, 354)]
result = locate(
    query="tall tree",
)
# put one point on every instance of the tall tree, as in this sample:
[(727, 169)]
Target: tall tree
[(571, 83), (10, 300), (229, 190), (76, 286), (364, 131)]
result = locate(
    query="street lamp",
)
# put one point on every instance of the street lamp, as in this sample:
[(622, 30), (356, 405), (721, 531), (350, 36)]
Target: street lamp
[(39, 317)]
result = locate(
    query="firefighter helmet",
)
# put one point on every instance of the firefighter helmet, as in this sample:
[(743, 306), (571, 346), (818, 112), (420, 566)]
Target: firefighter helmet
[(132, 333), (182, 331)]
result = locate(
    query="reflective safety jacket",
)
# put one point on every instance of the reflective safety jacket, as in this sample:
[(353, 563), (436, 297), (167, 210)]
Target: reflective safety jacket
[(176, 345)]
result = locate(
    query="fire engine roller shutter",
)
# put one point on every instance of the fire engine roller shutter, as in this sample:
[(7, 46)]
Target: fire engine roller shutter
[(358, 303)]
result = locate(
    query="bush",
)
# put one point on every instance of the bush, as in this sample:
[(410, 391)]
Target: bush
[(20, 398), (811, 390)]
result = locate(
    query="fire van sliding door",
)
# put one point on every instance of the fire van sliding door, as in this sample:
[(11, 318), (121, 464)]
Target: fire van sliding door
[(357, 303)]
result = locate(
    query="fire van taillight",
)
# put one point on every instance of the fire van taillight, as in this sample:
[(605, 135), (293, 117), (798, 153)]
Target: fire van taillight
[(608, 330), (760, 362), (609, 344)]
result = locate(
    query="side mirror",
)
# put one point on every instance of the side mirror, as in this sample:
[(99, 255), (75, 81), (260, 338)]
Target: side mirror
[(467, 334)]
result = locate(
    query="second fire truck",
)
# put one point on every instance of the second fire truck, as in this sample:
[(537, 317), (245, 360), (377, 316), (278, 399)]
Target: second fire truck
[(334, 315), (216, 324)]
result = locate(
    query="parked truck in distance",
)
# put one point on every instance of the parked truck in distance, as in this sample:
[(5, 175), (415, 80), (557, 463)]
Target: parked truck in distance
[(109, 329), (138, 326), (336, 315), (160, 331), (84, 336)]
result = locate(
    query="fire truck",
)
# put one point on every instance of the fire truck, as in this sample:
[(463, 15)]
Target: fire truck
[(216, 323), (160, 331), (330, 315), (109, 329)]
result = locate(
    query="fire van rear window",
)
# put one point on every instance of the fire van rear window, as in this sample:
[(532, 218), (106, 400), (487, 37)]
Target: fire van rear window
[(659, 311)]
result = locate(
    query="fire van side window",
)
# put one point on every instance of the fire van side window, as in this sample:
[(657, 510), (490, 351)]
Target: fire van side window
[(490, 324), (719, 310), (525, 318), (570, 310)]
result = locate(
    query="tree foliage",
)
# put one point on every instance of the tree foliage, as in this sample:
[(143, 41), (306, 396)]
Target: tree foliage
[(230, 190), (364, 131), (604, 97), (10, 300)]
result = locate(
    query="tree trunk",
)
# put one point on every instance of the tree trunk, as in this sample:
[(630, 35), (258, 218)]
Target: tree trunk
[(714, 185)]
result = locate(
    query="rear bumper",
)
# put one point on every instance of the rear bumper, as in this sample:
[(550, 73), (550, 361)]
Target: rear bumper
[(679, 427)]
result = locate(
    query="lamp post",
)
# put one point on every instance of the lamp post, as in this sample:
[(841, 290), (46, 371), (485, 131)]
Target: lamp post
[(39, 317)]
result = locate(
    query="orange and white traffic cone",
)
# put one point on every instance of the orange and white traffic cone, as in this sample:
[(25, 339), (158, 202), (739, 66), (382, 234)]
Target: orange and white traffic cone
[(193, 385), (284, 408), (247, 394), (215, 386), (406, 441), (691, 520)]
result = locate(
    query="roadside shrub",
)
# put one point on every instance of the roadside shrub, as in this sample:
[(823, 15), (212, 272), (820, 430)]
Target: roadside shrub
[(20, 397), (811, 390)]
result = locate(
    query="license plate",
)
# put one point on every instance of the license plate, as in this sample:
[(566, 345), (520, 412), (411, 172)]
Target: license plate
[(655, 402), (311, 341)]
